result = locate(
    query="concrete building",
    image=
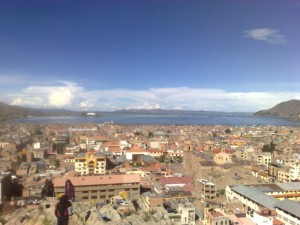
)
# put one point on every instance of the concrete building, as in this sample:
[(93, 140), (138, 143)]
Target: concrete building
[(187, 211), (284, 174), (273, 171), (101, 188), (89, 164), (265, 158), (154, 202), (207, 190), (216, 217), (289, 212), (263, 205), (134, 152)]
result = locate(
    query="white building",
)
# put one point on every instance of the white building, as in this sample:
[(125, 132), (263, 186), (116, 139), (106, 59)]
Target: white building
[(134, 152), (265, 158), (36, 145), (89, 164), (289, 212), (187, 212), (262, 208), (295, 171)]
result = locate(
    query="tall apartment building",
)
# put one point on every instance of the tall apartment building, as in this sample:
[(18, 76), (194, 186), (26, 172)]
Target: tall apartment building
[(90, 164)]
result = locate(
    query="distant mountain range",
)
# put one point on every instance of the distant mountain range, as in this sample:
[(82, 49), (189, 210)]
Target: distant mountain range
[(290, 109), (8, 111), (157, 111)]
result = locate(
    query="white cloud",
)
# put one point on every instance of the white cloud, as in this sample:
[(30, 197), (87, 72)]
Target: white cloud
[(47, 96), (268, 35), (146, 105), (29, 101), (60, 97), (70, 95), (88, 104)]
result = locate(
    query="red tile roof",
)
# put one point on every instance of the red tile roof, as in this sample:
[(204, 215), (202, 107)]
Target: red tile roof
[(136, 148), (228, 151), (114, 149), (176, 180), (112, 143), (97, 180), (217, 214), (153, 167)]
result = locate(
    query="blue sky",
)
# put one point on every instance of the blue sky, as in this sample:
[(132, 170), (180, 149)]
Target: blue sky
[(106, 55)]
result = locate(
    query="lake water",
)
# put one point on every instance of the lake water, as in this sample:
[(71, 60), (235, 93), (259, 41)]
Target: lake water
[(231, 119)]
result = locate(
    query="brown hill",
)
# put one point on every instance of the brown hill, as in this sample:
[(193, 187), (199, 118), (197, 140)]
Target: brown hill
[(289, 109), (8, 111)]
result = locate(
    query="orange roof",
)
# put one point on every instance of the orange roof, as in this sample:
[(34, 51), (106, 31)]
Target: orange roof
[(199, 148), (154, 167), (262, 173), (176, 180), (98, 138), (217, 214), (112, 143), (228, 151), (169, 171), (277, 222), (136, 148), (96, 180), (114, 149)]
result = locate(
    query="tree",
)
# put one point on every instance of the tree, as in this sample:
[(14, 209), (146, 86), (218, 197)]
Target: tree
[(48, 189), (38, 132), (57, 163), (228, 131), (137, 133), (150, 134), (269, 147), (6, 188), (162, 158)]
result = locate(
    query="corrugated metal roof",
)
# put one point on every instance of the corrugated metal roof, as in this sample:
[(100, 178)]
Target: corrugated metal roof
[(292, 186), (289, 206), (256, 196), (267, 187)]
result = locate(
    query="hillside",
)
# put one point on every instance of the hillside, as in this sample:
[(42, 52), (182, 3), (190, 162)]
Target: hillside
[(288, 109), (86, 213), (8, 111)]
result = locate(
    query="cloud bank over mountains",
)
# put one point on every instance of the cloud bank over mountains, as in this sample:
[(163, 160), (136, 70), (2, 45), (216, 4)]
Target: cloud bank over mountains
[(72, 96)]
